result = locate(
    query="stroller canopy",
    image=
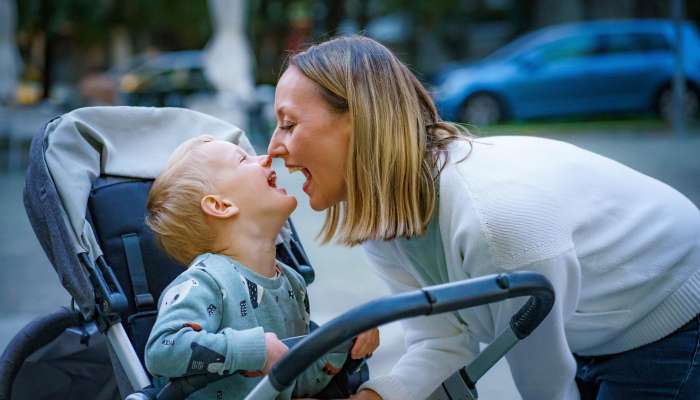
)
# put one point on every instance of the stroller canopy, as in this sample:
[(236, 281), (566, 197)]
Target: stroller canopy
[(75, 149)]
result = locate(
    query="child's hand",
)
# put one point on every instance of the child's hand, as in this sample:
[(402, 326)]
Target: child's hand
[(275, 350), (365, 344), (366, 394)]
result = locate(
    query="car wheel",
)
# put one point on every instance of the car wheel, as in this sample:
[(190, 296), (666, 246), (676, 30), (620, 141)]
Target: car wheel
[(691, 103), (481, 109)]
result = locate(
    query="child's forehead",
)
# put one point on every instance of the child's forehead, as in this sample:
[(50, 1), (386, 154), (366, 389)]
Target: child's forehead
[(220, 146), (221, 154)]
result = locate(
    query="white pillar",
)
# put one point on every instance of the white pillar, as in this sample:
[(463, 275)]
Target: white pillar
[(229, 62)]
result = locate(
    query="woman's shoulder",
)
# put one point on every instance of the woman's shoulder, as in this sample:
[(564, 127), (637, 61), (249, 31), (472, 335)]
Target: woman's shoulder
[(490, 191)]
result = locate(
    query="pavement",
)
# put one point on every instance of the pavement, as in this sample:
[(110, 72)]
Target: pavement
[(30, 288)]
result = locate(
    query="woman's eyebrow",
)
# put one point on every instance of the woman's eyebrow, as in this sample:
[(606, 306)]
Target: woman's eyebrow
[(281, 111), (285, 112)]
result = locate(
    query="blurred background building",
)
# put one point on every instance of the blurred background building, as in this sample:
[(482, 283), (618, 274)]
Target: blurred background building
[(223, 56)]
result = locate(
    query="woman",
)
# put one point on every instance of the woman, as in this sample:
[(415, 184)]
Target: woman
[(430, 205)]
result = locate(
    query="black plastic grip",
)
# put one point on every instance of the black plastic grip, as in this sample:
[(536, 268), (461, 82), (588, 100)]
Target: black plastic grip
[(536, 308)]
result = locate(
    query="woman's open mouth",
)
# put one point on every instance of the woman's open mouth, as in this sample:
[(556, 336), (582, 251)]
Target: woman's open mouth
[(306, 173)]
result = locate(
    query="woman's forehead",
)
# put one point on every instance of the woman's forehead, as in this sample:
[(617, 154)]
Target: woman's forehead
[(294, 90)]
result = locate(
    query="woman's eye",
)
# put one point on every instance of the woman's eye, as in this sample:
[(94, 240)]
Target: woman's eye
[(287, 127)]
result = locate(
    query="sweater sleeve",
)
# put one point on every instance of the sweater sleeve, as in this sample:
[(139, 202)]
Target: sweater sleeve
[(187, 337), (542, 364), (435, 346)]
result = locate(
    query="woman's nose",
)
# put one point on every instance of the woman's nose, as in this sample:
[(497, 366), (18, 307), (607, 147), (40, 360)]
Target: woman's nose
[(276, 148)]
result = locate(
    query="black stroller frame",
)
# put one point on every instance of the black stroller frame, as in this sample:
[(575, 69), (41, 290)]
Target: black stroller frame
[(85, 246)]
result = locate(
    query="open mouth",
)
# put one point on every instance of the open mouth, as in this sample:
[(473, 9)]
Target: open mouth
[(272, 182), (306, 173)]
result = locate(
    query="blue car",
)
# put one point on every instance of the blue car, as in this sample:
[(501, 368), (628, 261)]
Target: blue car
[(598, 67)]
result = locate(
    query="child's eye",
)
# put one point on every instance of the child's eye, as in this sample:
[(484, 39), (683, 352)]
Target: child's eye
[(243, 157)]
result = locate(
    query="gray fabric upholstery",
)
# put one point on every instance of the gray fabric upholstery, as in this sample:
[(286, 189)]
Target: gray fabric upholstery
[(76, 148)]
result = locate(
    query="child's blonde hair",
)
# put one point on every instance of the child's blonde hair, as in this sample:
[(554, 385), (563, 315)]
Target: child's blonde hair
[(174, 211)]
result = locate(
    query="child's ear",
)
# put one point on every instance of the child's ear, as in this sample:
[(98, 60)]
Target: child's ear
[(218, 207)]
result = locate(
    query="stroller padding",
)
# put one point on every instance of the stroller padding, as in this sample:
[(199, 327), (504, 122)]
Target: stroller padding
[(117, 208)]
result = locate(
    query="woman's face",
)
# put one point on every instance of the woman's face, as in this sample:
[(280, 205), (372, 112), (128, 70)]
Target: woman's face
[(311, 137)]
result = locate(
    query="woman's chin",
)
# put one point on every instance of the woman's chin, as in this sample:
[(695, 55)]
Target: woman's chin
[(317, 205)]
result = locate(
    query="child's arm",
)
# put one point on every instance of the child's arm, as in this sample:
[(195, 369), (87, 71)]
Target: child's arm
[(187, 337)]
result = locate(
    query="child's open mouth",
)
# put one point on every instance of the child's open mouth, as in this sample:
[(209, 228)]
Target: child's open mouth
[(272, 182), (306, 173)]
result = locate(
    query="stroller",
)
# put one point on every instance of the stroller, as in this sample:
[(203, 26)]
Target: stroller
[(85, 197)]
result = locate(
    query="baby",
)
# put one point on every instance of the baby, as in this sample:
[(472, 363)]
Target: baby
[(218, 210)]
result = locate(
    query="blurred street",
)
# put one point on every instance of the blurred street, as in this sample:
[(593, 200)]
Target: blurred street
[(30, 288)]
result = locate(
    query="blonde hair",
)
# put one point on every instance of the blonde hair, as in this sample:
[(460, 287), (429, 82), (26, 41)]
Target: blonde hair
[(174, 212), (396, 141)]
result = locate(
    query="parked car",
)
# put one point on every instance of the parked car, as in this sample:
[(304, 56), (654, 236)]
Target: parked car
[(572, 69), (166, 79)]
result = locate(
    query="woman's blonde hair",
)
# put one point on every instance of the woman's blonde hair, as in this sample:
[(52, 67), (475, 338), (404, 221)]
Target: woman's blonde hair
[(397, 137), (174, 212)]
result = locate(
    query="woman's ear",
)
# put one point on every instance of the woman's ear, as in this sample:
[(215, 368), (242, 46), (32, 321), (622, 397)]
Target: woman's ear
[(218, 207)]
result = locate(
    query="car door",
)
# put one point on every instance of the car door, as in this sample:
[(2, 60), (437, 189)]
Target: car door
[(632, 66), (555, 78)]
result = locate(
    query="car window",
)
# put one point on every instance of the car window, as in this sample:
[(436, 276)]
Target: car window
[(572, 47), (634, 42)]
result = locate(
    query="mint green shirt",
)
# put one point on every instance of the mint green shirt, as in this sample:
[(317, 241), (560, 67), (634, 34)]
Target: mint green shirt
[(426, 252), (212, 318)]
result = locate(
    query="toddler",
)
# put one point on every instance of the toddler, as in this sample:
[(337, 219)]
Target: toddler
[(218, 210)]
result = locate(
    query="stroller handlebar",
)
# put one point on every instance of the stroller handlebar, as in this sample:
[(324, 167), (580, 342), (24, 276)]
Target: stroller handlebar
[(337, 335), (430, 300)]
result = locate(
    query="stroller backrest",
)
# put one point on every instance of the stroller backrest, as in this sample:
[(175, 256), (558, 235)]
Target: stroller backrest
[(117, 210)]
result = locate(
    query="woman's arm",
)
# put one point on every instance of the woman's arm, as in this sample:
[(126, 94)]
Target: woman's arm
[(436, 346), (542, 364)]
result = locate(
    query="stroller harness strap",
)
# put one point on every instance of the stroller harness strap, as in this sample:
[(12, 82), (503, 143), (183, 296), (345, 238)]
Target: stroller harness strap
[(134, 260)]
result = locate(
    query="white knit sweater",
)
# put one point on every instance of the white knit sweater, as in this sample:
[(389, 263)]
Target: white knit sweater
[(621, 249)]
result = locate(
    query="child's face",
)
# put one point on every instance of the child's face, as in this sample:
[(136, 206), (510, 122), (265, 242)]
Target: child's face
[(248, 181)]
